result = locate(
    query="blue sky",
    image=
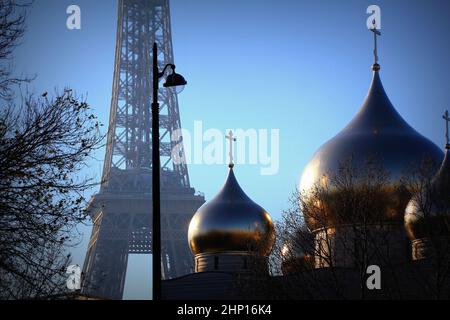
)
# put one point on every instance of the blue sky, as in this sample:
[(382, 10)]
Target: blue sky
[(302, 67)]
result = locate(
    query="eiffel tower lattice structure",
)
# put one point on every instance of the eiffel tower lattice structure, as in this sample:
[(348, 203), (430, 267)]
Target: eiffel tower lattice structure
[(122, 210)]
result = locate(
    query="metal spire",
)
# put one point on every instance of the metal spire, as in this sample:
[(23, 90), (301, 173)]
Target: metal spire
[(376, 33), (446, 117), (232, 139)]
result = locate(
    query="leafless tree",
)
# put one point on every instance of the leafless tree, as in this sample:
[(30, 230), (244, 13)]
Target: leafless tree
[(431, 202), (12, 29), (44, 144), (332, 233)]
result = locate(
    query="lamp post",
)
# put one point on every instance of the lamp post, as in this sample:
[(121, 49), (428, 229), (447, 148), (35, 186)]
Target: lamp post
[(172, 80)]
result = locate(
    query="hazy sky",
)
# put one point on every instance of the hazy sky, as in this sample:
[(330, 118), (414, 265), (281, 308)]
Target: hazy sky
[(302, 67)]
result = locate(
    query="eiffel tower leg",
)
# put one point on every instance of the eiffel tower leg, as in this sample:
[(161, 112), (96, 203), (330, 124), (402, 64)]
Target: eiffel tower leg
[(105, 266)]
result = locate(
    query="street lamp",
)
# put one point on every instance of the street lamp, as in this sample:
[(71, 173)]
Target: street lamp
[(172, 80)]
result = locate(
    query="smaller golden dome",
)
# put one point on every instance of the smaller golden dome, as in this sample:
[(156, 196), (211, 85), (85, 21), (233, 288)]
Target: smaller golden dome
[(428, 213), (297, 254), (231, 222)]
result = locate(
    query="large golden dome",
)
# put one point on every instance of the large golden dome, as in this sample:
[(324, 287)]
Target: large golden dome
[(376, 132), (428, 213), (231, 223)]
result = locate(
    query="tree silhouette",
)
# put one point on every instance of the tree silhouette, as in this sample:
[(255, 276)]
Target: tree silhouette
[(44, 144)]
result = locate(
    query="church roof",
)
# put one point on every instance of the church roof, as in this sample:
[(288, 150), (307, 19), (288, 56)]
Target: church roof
[(231, 222), (376, 133)]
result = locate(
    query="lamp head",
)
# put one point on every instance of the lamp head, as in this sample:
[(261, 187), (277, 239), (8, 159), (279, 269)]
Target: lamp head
[(175, 80)]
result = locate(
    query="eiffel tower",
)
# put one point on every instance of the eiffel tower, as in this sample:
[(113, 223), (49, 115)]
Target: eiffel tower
[(122, 210)]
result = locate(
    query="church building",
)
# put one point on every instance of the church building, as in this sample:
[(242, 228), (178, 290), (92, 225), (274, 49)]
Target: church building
[(357, 215)]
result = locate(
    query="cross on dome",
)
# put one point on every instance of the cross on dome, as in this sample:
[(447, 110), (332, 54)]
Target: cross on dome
[(232, 139)]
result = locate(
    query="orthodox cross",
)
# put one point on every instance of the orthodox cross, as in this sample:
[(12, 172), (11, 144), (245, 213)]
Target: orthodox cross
[(232, 139), (375, 34), (446, 117)]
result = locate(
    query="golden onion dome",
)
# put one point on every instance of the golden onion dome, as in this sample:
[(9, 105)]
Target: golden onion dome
[(231, 223), (376, 132), (428, 213), (297, 253)]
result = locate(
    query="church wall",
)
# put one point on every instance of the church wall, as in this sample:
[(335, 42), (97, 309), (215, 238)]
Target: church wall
[(354, 246)]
